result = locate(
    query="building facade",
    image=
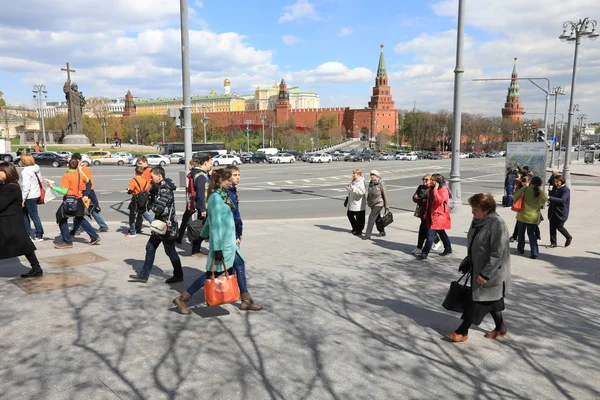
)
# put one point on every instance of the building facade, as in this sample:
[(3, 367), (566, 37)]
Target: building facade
[(512, 108)]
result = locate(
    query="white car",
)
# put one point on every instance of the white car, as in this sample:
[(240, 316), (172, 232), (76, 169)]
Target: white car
[(463, 155), (155, 159), (66, 154), (114, 159), (320, 158), (406, 157), (123, 154), (175, 157), (226, 159), (386, 157), (86, 160), (281, 158)]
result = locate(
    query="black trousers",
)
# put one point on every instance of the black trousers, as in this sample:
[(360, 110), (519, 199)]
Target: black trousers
[(357, 220), (555, 225), (187, 215), (422, 233)]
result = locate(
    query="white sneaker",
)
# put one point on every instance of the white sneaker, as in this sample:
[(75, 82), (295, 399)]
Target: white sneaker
[(416, 251), (37, 240), (436, 246)]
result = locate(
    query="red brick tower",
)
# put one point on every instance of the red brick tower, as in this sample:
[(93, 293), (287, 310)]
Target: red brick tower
[(283, 106), (382, 97), (513, 108), (129, 108)]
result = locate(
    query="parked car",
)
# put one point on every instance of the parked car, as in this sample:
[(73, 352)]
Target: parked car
[(98, 154), (112, 160), (155, 159), (124, 154), (176, 157), (320, 158), (360, 157), (47, 158), (281, 158), (253, 158), (225, 159), (338, 156), (306, 156), (445, 155), (463, 155), (386, 157), (64, 153)]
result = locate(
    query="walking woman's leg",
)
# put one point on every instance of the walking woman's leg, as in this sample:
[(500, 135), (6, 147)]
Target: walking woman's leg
[(352, 218), (533, 243), (26, 219), (520, 237), (445, 240), (553, 225), (32, 209), (372, 217), (422, 234), (36, 270), (360, 223), (561, 228), (428, 243), (240, 270)]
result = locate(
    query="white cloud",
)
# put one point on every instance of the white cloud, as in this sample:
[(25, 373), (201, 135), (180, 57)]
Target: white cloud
[(301, 9), (331, 72), (345, 32), (290, 40)]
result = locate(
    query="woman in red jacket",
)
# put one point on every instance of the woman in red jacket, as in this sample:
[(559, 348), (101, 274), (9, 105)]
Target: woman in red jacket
[(438, 215)]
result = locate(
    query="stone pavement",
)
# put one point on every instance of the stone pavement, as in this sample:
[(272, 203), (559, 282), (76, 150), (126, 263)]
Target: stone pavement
[(344, 319), (579, 168)]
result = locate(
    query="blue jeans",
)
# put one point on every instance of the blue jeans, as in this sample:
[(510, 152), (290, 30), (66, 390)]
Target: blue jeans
[(30, 213), (533, 243), (170, 251), (96, 215), (132, 220), (78, 221), (431, 236), (240, 271)]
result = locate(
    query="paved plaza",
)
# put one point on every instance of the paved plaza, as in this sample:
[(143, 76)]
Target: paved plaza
[(343, 319)]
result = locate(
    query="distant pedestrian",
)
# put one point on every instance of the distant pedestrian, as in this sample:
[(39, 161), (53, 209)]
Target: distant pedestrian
[(195, 173), (201, 180), (37, 147), (488, 261), (14, 241), (529, 216), (31, 189), (139, 189), (143, 163), (519, 181), (558, 211), (508, 187), (357, 202), (551, 186), (437, 215), (162, 203), (377, 201), (74, 188), (420, 198)]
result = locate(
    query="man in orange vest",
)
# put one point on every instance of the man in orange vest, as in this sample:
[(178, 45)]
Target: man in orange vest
[(95, 204), (139, 189), (142, 162)]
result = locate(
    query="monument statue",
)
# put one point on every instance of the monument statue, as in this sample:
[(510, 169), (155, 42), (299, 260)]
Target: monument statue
[(76, 102)]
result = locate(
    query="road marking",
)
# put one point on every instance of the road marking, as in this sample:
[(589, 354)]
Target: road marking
[(322, 179), (270, 183), (290, 182), (306, 180)]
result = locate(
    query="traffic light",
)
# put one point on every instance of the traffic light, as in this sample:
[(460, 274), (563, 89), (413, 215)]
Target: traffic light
[(541, 135)]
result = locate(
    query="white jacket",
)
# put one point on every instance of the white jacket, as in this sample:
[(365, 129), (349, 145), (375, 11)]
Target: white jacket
[(357, 195), (29, 183)]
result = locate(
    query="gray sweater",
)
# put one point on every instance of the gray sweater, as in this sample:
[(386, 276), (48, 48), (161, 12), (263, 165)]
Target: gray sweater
[(377, 194), (489, 252)]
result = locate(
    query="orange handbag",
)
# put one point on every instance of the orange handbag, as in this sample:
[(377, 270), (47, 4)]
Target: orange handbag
[(518, 205), (221, 290)]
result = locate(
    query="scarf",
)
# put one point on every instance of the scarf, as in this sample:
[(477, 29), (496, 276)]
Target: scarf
[(223, 193)]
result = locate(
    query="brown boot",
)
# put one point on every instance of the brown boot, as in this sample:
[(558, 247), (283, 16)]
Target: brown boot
[(181, 302), (248, 303)]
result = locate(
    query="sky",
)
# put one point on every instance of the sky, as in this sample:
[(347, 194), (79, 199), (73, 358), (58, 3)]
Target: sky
[(329, 46)]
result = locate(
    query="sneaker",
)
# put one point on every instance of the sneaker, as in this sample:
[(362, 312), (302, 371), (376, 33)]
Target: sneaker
[(445, 253), (37, 240), (197, 255), (174, 279), (105, 229), (129, 234), (416, 251), (138, 278), (552, 246), (381, 234), (94, 241), (422, 256), (63, 245), (357, 233), (436, 246), (568, 242), (512, 239)]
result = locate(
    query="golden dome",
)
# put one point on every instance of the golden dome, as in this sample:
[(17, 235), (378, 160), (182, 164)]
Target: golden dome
[(226, 82), (213, 92)]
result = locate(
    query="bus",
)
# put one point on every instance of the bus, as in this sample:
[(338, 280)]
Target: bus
[(170, 148)]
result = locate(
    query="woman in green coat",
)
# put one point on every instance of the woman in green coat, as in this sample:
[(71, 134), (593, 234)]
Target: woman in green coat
[(529, 216), (220, 228)]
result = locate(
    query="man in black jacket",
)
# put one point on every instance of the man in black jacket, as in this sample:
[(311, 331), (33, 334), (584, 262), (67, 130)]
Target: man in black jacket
[(162, 203), (201, 178)]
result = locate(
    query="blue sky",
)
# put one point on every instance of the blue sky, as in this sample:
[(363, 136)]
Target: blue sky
[(330, 46)]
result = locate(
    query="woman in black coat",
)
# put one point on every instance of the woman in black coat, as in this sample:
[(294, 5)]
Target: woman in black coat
[(14, 240), (558, 211)]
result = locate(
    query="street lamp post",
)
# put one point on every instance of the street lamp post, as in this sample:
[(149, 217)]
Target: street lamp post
[(39, 95), (204, 122), (263, 117), (137, 137), (582, 28), (271, 125), (562, 117), (104, 124), (455, 186), (163, 124), (555, 91), (580, 118), (248, 122)]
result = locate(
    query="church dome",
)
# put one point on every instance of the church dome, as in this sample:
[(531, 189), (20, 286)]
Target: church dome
[(213, 92), (226, 82)]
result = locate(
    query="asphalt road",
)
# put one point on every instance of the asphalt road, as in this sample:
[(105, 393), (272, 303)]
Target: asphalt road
[(301, 190)]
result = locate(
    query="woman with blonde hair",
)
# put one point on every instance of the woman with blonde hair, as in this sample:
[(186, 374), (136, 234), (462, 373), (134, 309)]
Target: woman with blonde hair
[(528, 218), (31, 190)]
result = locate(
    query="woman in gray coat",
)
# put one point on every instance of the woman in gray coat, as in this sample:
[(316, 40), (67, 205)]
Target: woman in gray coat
[(377, 200), (488, 261)]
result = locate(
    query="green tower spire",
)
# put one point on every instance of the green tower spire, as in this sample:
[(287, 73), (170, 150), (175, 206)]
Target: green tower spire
[(381, 71), (513, 89)]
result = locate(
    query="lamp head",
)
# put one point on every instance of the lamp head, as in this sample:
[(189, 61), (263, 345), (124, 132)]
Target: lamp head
[(564, 36), (593, 34)]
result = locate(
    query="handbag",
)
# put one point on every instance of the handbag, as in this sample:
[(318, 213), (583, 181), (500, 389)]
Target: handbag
[(42, 199), (161, 227), (518, 205), (385, 220), (221, 290), (70, 203), (459, 295), (346, 202), (194, 228)]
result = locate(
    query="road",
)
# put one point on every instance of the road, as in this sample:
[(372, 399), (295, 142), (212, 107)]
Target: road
[(302, 190)]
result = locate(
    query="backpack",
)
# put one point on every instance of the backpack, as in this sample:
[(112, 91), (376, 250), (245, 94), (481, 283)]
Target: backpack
[(143, 197)]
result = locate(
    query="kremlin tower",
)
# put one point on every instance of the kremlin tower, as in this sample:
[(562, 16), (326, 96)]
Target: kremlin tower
[(382, 97), (227, 86), (512, 108), (129, 108)]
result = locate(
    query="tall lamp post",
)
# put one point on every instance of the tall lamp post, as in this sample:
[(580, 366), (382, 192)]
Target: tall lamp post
[(555, 91), (455, 187), (163, 124), (581, 117), (39, 96), (204, 122), (104, 124), (582, 28), (137, 137), (263, 117), (272, 126), (248, 122)]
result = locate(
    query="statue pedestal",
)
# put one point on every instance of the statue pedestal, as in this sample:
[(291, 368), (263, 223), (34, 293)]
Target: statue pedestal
[(76, 139)]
